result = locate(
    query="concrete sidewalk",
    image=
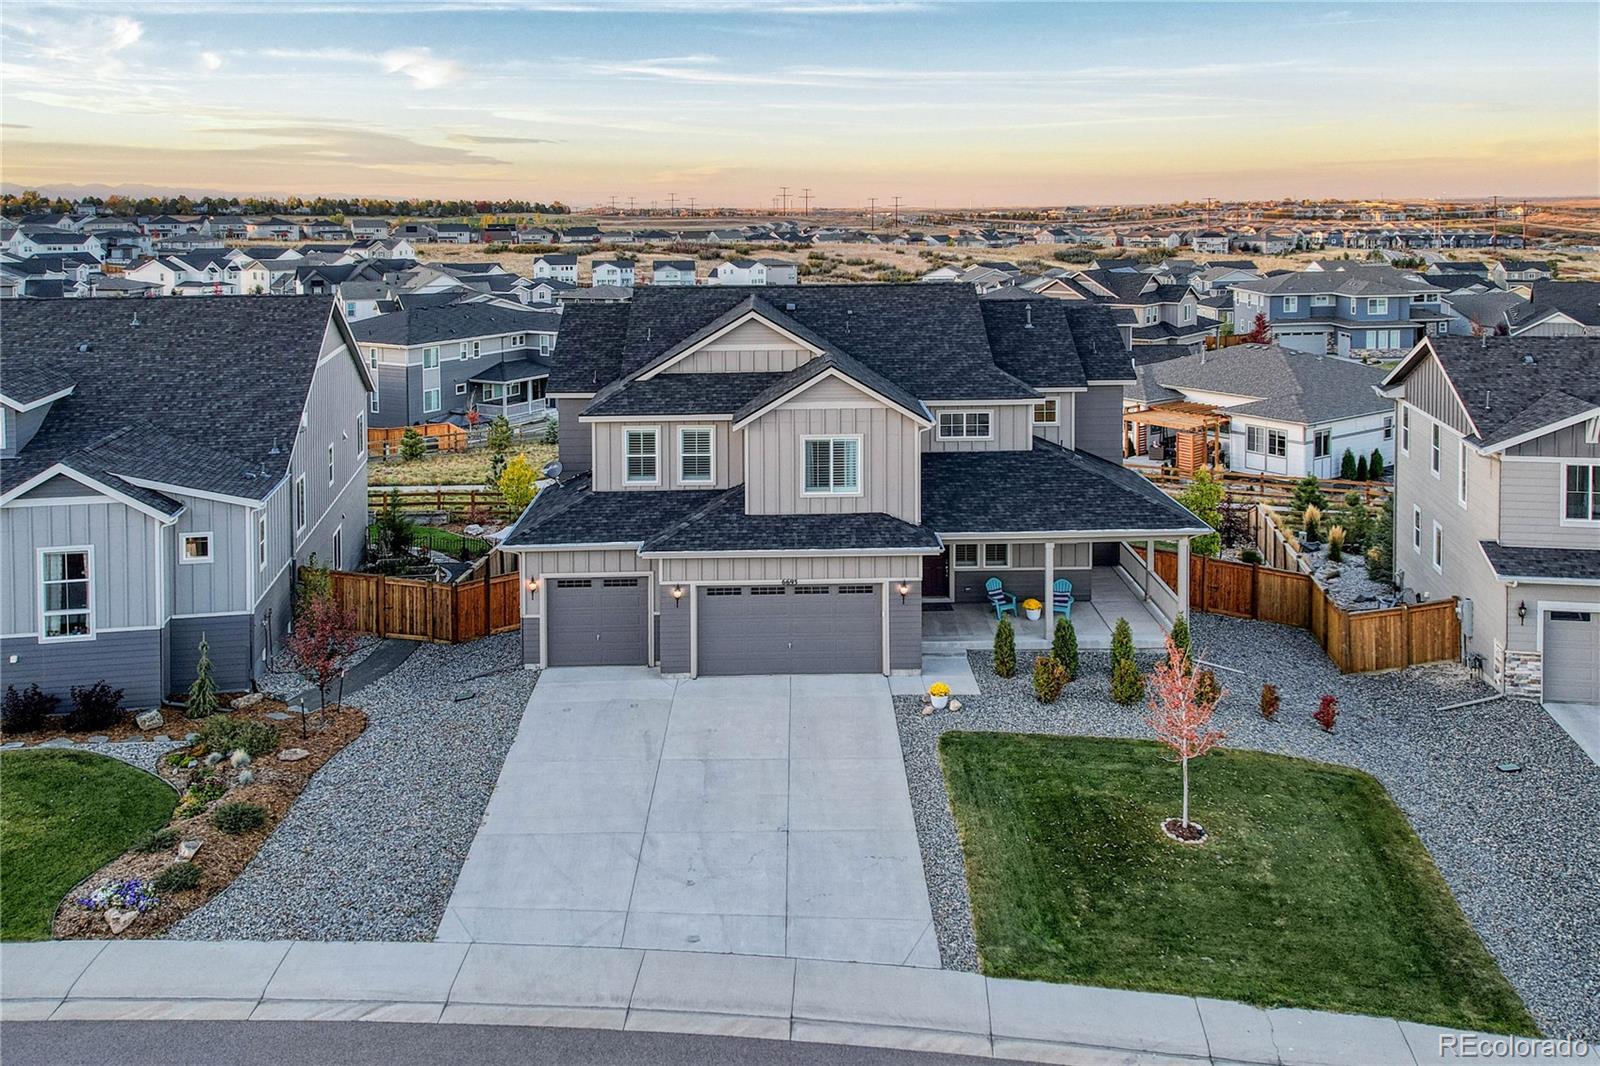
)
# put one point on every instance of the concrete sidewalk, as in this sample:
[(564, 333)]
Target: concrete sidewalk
[(683, 992)]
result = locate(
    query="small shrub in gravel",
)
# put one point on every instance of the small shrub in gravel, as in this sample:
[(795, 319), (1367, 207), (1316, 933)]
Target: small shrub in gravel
[(1005, 649), (1270, 701), (239, 817), (159, 840), (1180, 637), (95, 706), (1127, 684), (26, 710), (1064, 648), (1206, 688), (1049, 678), (179, 877), (224, 733), (1327, 712)]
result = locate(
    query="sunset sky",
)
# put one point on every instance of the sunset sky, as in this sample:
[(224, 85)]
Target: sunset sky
[(943, 105)]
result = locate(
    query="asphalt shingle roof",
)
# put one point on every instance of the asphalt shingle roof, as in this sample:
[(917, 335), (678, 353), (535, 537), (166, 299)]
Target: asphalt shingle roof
[(147, 401), (681, 394), (1361, 279), (1049, 488), (428, 325), (1506, 396), (1550, 564), (723, 526), (1290, 385), (1578, 299), (570, 513)]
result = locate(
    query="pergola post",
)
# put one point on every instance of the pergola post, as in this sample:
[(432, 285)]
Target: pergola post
[(1049, 586), (1183, 577)]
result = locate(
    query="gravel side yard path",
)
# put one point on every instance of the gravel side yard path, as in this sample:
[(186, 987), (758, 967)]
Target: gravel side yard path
[(371, 849), (1519, 850)]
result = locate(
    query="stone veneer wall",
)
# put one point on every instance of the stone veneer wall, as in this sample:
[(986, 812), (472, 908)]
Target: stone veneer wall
[(1520, 673)]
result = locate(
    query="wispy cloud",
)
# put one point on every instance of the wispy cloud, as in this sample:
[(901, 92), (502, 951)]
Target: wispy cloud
[(210, 61), (488, 138), (420, 65)]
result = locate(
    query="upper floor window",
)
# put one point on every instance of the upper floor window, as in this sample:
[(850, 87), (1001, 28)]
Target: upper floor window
[(1045, 414), (1582, 495), (1405, 430), (66, 609), (430, 358), (372, 403), (1461, 473), (300, 503), (477, 349), (519, 340), (641, 456), (1188, 313), (694, 456), (361, 433), (964, 424), (1388, 427), (1435, 459), (1322, 300), (372, 358), (1416, 530), (1291, 303), (1438, 547), (261, 542), (1377, 305), (332, 466), (430, 400), (833, 465), (196, 548)]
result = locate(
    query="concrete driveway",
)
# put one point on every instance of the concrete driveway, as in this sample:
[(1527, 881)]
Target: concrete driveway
[(758, 815)]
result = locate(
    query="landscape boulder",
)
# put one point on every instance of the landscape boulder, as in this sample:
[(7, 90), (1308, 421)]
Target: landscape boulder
[(150, 720)]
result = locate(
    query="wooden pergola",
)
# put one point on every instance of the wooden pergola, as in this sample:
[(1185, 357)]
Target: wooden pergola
[(1200, 428)]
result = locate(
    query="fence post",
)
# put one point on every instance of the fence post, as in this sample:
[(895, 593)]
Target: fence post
[(1255, 591), (379, 623), (1405, 633)]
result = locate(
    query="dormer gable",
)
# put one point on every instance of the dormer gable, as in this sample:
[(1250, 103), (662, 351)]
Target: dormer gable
[(749, 338)]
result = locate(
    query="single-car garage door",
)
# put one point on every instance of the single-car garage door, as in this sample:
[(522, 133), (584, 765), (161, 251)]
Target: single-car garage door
[(794, 629), (1572, 657), (597, 621)]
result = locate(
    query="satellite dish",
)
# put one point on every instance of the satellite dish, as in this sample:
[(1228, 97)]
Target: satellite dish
[(552, 469)]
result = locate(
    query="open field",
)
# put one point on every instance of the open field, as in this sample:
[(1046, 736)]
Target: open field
[(451, 468)]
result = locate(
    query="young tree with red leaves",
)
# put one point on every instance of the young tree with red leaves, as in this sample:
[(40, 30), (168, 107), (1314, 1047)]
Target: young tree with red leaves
[(1260, 331), (1180, 713), (323, 640)]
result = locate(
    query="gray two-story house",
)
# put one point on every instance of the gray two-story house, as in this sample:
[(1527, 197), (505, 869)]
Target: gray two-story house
[(164, 468), (435, 363), (779, 482), (1497, 501), (1342, 309)]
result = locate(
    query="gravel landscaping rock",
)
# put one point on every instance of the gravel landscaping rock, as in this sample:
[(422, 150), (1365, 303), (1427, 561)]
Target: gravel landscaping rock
[(371, 849), (282, 681), (1519, 851), (143, 752)]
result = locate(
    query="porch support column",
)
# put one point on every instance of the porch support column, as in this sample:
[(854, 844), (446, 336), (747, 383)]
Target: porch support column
[(1149, 567), (1049, 587), (1183, 576)]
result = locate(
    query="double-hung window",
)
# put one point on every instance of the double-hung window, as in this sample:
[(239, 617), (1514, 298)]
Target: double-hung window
[(965, 556), (1438, 547), (1377, 305), (1255, 439), (1291, 304), (1045, 414), (1416, 530), (1388, 427), (372, 358), (1581, 498), (694, 456), (300, 504), (1322, 442), (1405, 430), (66, 612), (956, 425), (1461, 473), (430, 400), (833, 466), (430, 358), (1435, 457), (641, 456)]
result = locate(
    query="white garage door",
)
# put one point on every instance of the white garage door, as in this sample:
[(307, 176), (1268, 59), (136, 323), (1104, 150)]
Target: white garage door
[(1572, 657)]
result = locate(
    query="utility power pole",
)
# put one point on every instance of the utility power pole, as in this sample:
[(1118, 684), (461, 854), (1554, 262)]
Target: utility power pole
[(672, 203), (783, 192), (1494, 224), (630, 205), (872, 212), (897, 212), (691, 205), (613, 205), (805, 194)]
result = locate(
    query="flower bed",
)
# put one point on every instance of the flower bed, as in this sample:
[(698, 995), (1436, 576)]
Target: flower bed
[(209, 782)]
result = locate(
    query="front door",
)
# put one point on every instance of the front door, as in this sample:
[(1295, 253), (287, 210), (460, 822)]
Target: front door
[(936, 576)]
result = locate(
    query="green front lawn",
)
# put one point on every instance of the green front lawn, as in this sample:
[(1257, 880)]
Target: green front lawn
[(63, 815), (1313, 890)]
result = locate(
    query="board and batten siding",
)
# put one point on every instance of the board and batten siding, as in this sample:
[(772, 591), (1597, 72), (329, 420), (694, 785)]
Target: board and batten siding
[(1428, 389), (736, 570), (533, 565), (221, 585), (1099, 422), (611, 452), (1010, 429), (575, 441), (1062, 432), (750, 347), (126, 582), (1531, 505), (1565, 443), (890, 458)]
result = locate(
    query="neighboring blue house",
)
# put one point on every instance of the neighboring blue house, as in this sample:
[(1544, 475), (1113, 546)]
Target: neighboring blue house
[(1342, 309)]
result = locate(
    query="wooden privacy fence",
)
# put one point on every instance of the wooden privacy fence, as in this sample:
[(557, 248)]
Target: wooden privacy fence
[(1358, 642), (408, 609)]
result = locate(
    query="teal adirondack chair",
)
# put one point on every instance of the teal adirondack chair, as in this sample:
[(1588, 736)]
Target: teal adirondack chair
[(1061, 597), (1001, 600)]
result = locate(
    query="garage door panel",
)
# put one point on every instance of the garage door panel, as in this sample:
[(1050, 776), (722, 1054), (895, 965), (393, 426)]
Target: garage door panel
[(598, 622), (1572, 657), (790, 629)]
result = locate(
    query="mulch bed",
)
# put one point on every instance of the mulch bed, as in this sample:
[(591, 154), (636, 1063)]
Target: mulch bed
[(221, 857)]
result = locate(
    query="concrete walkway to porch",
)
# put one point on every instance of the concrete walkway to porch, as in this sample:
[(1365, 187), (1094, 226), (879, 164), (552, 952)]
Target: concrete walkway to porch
[(972, 625)]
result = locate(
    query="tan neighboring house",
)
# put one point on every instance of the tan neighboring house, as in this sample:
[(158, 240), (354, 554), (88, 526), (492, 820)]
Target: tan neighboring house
[(1497, 501)]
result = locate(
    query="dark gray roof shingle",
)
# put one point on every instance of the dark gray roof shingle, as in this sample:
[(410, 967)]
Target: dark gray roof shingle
[(571, 513), (1507, 396), (722, 526), (429, 325), (1547, 564), (1291, 385), (681, 394)]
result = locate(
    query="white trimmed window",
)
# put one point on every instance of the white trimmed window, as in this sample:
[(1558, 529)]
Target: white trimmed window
[(1255, 439), (430, 400), (1438, 547), (1322, 444), (1461, 473), (694, 456), (66, 610), (261, 542), (1416, 530), (1581, 493), (969, 425), (965, 556), (1405, 430), (372, 358), (338, 546), (430, 358), (461, 389), (518, 340), (196, 548), (300, 504), (641, 456), (1436, 457), (332, 465), (1291, 303), (833, 466), (1046, 413), (1277, 443), (361, 433), (1377, 305), (997, 556), (372, 402), (1388, 427)]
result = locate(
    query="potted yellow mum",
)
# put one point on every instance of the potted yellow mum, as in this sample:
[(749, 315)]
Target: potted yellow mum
[(939, 695), (1033, 607)]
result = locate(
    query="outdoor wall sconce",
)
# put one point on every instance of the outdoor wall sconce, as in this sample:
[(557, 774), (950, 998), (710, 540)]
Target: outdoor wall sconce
[(904, 589), (1522, 612), (533, 584), (677, 595)]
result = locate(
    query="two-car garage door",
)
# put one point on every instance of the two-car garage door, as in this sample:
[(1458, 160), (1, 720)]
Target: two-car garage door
[(790, 629), (1572, 657)]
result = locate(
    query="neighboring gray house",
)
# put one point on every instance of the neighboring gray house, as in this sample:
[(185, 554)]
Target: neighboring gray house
[(434, 363), (1161, 311), (164, 467), (1497, 501), (775, 482), (1343, 309)]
